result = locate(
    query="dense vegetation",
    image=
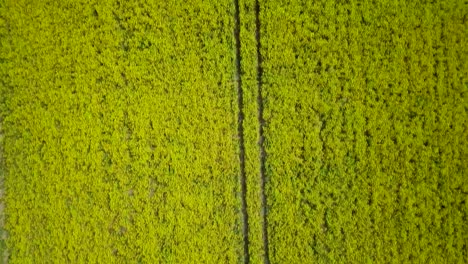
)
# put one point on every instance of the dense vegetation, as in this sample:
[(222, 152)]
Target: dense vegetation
[(366, 130), (234, 131), (120, 132)]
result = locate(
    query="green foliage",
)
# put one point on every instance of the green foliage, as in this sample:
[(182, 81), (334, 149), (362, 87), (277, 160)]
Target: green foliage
[(366, 109), (120, 132)]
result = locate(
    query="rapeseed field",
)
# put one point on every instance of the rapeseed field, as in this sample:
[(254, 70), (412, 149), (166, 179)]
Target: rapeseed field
[(245, 131)]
